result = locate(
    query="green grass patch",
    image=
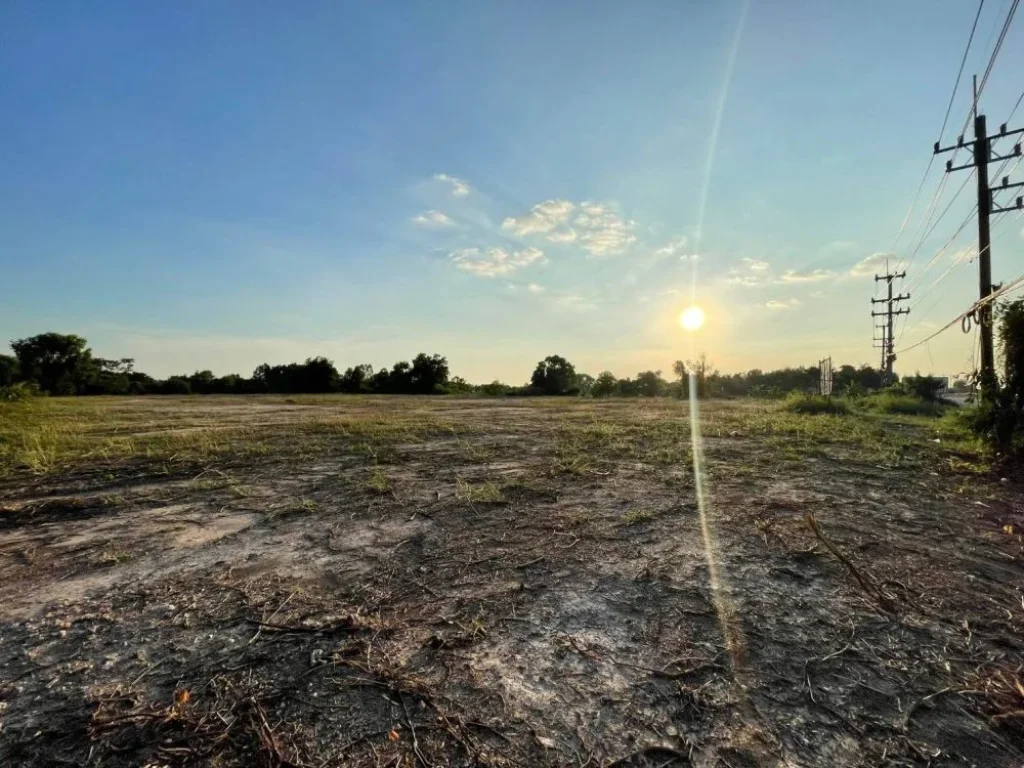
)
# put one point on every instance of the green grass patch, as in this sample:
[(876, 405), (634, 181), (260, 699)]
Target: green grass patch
[(815, 404), (482, 493), (903, 405), (635, 515)]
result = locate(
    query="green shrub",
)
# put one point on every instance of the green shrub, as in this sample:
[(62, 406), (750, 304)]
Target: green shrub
[(906, 405), (20, 390), (798, 402)]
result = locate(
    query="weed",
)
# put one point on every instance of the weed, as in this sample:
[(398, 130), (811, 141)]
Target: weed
[(484, 493), (296, 507), (636, 515), (379, 482), (815, 404), (907, 405)]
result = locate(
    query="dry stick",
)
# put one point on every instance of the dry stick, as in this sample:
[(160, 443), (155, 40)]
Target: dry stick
[(864, 580)]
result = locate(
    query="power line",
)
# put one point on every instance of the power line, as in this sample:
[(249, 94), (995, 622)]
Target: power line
[(991, 63), (942, 130), (960, 72), (970, 311)]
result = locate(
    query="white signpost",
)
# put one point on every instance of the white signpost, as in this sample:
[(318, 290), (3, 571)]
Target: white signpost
[(825, 376)]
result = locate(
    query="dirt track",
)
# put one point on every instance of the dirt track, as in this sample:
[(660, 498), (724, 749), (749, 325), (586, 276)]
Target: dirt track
[(516, 583)]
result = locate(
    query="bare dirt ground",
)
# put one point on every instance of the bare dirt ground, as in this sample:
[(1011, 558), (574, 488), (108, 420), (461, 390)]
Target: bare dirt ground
[(428, 582)]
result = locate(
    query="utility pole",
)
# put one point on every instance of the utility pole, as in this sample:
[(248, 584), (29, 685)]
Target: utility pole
[(888, 356), (983, 155)]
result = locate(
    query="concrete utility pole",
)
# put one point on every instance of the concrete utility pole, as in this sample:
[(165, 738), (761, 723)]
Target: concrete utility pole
[(982, 151), (887, 341)]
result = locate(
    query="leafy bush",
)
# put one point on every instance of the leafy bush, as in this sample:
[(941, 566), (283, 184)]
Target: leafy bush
[(798, 402), (20, 390), (906, 405)]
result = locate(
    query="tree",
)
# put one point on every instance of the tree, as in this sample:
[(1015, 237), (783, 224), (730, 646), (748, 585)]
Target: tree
[(317, 374), (604, 385), (585, 384), (429, 374), (8, 370), (61, 364), (554, 375), (650, 384), (356, 379)]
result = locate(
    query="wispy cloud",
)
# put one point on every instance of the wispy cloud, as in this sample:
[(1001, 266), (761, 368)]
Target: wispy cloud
[(563, 236), (672, 247), (604, 232), (756, 266), (574, 302), (868, 266), (494, 262), (542, 217), (783, 304), (968, 253), (432, 219), (746, 279), (459, 187), (598, 229), (534, 288), (812, 276)]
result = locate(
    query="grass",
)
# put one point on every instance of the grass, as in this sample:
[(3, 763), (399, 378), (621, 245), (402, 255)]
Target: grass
[(575, 438), (379, 482), (635, 515), (481, 493), (904, 405), (815, 404)]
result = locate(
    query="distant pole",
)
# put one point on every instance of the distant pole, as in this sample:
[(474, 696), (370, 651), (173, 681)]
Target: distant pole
[(887, 341)]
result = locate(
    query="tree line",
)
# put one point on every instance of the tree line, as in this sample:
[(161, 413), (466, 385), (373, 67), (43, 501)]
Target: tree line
[(63, 364)]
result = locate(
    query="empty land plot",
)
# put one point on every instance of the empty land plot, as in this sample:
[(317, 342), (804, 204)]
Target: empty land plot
[(317, 581)]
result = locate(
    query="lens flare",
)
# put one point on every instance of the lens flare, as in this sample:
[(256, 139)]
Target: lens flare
[(691, 318)]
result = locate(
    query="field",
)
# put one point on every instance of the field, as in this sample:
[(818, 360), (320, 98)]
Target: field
[(321, 581)]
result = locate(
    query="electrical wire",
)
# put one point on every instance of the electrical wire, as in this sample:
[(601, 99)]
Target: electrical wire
[(942, 130), (981, 87), (1015, 284)]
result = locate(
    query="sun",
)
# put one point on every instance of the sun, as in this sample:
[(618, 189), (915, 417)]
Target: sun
[(691, 318)]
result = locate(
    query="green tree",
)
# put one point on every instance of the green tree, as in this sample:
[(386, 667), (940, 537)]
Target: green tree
[(61, 364), (428, 375), (650, 384), (356, 379), (604, 385), (8, 370), (554, 375)]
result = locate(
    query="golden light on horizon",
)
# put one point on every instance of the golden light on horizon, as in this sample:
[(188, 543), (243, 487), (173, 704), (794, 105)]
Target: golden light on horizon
[(691, 318)]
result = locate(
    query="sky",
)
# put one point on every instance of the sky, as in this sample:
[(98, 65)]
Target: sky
[(216, 185)]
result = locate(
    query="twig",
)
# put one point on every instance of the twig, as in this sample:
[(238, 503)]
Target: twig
[(863, 579)]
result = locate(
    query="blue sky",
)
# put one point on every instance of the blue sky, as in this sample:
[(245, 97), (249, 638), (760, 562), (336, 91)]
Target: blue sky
[(215, 185)]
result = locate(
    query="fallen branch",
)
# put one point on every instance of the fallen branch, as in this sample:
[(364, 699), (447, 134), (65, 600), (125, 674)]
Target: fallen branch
[(863, 579)]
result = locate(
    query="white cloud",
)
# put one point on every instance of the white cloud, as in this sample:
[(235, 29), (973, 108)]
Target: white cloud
[(534, 288), (814, 276), (432, 219), (968, 253), (755, 266), (543, 217), (597, 228), (735, 277), (574, 303), (605, 233), (868, 266), (785, 304), (459, 187), (494, 261), (672, 247), (563, 236)]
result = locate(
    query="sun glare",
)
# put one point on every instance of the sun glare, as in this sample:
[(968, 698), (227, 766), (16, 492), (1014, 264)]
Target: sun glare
[(691, 318)]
